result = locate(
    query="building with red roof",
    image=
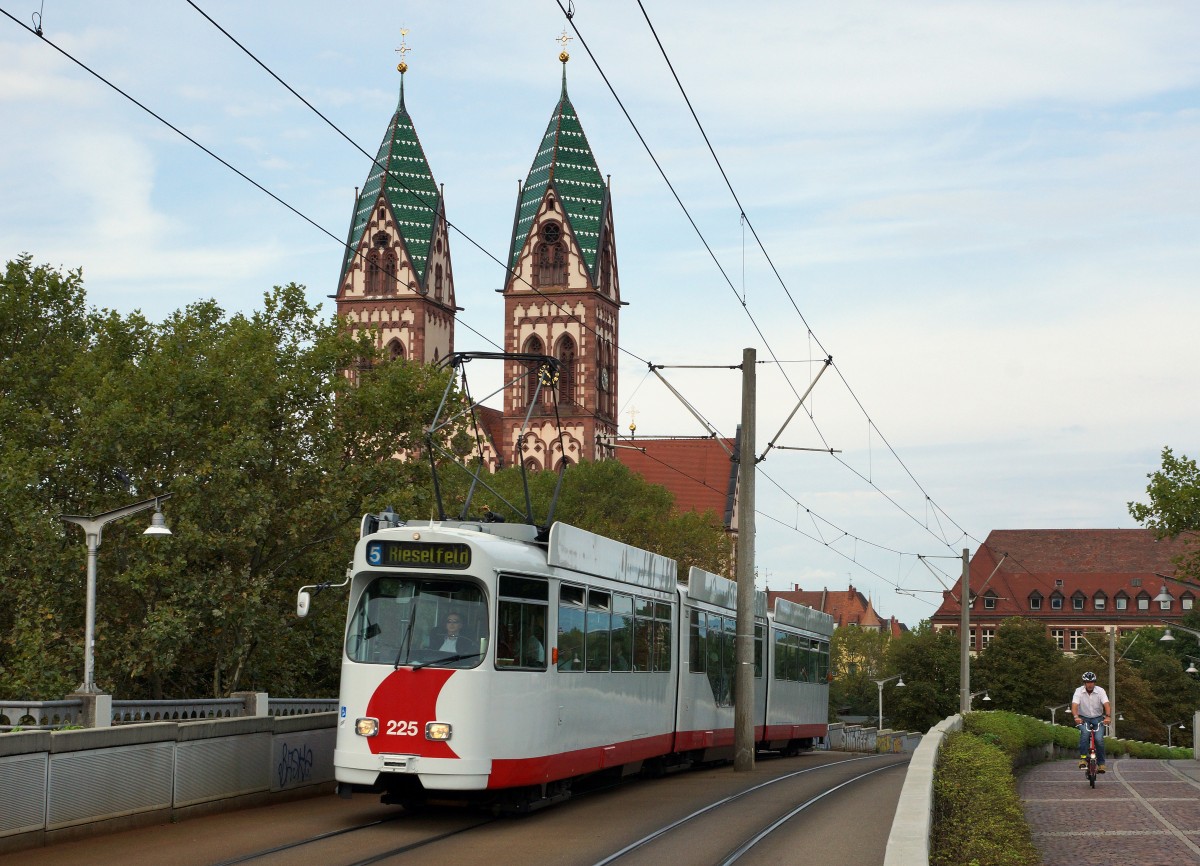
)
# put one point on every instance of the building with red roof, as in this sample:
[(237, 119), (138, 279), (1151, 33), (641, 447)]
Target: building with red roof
[(1073, 580), (697, 470), (848, 607)]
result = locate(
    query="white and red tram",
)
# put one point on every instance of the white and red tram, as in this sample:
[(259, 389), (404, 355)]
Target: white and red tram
[(481, 663)]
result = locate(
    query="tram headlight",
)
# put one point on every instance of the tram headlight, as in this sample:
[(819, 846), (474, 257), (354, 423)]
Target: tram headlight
[(366, 727), (437, 731)]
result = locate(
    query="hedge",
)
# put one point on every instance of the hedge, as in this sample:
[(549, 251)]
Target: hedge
[(977, 816)]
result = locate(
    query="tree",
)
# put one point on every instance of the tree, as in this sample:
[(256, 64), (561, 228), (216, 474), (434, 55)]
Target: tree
[(928, 659), (856, 659), (271, 455), (1174, 507), (1021, 668), (607, 498)]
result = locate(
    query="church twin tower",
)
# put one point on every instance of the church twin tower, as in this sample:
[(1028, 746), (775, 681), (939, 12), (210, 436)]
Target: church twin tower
[(561, 294)]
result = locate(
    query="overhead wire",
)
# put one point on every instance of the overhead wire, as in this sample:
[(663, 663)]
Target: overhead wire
[(286, 204), (942, 538)]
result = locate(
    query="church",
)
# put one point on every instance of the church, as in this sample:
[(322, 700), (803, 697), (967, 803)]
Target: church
[(561, 294)]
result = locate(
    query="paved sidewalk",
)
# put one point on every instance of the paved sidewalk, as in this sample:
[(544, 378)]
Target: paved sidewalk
[(1141, 813)]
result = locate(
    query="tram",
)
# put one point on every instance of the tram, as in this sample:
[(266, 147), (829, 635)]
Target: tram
[(500, 663)]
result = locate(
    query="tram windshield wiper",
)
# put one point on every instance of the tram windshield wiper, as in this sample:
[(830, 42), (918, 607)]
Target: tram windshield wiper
[(406, 642), (446, 660)]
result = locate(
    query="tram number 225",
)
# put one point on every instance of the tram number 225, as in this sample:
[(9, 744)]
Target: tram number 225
[(396, 728)]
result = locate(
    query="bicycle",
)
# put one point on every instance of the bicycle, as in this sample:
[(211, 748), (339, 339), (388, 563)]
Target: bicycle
[(1090, 769)]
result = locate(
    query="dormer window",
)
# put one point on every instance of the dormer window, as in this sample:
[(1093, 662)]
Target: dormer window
[(1143, 600), (1056, 601), (1078, 600), (1100, 601), (989, 600), (1122, 601), (1035, 601), (1187, 601)]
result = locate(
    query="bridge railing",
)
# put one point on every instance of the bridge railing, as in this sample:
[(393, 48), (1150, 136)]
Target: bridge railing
[(86, 711)]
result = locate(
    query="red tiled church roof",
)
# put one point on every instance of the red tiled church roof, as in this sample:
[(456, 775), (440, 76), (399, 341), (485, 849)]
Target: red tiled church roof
[(698, 472)]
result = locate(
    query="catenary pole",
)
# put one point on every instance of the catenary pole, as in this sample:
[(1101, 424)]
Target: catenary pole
[(964, 637), (1112, 680), (743, 701)]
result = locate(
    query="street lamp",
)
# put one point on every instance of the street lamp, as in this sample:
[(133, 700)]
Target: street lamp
[(1053, 710), (880, 683), (1168, 727), (974, 695), (1191, 669), (1167, 636), (92, 527)]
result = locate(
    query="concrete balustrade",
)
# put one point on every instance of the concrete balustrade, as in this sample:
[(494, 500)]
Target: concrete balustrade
[(64, 784)]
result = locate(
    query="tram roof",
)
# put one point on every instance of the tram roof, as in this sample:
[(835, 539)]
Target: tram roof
[(801, 616), (580, 550), (715, 589)]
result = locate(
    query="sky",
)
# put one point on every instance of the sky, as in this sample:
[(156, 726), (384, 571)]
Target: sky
[(987, 213)]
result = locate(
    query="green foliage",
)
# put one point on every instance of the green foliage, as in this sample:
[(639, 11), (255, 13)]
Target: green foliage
[(929, 661), (1022, 668), (977, 817), (1174, 507), (1012, 732), (857, 658), (605, 497), (271, 455)]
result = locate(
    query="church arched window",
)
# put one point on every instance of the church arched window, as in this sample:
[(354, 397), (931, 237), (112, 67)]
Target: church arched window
[(437, 283), (566, 370), (550, 257), (373, 273), (533, 346), (389, 272), (606, 271), (395, 349)]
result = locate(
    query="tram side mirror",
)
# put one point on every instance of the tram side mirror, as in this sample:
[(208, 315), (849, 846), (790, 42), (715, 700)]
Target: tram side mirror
[(303, 600)]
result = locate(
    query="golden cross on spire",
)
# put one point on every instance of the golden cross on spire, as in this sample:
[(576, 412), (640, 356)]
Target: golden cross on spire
[(402, 66), (563, 40)]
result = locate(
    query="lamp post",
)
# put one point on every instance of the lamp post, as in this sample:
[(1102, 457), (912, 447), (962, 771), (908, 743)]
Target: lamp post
[(880, 683), (1191, 669), (1167, 636), (92, 527), (974, 695), (1054, 710), (1168, 727)]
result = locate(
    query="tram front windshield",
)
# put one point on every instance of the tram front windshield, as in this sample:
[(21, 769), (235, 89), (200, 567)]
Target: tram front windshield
[(419, 621)]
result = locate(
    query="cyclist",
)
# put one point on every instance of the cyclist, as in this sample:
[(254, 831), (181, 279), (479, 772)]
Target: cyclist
[(1090, 704)]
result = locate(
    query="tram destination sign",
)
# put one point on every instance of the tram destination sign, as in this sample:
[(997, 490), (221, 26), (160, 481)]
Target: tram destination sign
[(419, 554)]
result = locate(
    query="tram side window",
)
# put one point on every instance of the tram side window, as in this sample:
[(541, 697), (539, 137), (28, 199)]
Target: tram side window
[(599, 630), (570, 627), (822, 661), (643, 637), (758, 650), (698, 636), (521, 619), (805, 659), (662, 636), (622, 633), (779, 655)]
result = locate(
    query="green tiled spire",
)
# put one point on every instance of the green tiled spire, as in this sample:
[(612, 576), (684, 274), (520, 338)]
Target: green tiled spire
[(565, 161), (410, 188)]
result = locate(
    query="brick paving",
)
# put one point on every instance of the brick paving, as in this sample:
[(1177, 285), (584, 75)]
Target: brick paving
[(1141, 813)]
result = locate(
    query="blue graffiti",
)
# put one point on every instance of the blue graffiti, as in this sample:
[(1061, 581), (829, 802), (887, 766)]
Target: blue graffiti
[(295, 765)]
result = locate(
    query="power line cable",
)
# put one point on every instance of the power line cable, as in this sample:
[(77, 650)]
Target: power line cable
[(774, 269)]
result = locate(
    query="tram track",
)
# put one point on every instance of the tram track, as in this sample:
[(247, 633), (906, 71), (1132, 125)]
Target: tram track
[(283, 853), (752, 838)]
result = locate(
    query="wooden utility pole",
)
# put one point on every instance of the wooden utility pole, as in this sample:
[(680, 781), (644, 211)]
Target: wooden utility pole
[(743, 701)]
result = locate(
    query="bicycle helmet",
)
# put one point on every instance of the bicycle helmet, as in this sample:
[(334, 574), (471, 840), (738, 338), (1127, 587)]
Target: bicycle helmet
[(1089, 677)]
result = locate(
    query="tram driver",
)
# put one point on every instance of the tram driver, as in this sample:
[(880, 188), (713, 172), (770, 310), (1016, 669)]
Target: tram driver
[(452, 638)]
